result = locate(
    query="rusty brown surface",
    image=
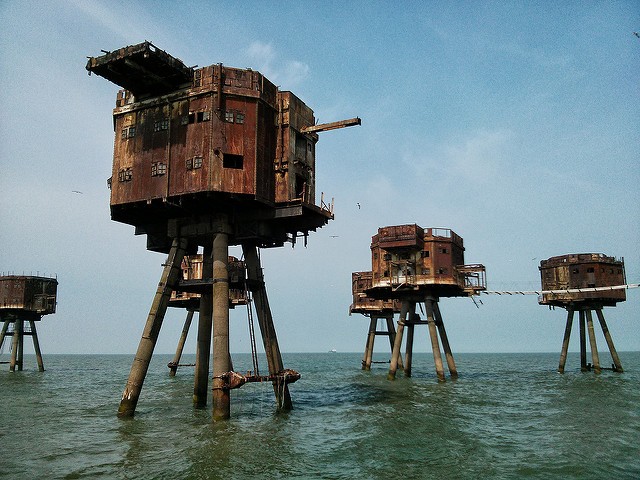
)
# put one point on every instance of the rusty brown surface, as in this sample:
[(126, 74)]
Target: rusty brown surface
[(192, 142), (187, 293), (408, 258), (21, 294), (362, 303), (584, 270)]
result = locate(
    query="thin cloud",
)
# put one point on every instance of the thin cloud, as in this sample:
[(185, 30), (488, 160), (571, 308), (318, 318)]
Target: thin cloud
[(286, 73)]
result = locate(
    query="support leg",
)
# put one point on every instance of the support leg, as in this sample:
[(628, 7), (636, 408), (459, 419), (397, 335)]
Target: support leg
[(173, 366), (221, 358), (451, 364), (565, 341), (256, 284), (203, 342), (15, 346), (397, 343), (607, 336), (168, 282), (368, 349), (391, 331), (36, 345), (583, 343), (3, 333), (433, 334), (408, 354), (595, 358)]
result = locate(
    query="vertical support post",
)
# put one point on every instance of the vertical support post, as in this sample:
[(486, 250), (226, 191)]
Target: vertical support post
[(173, 366), (391, 332), (255, 281), (368, 349), (168, 282), (221, 360), (3, 333), (607, 336), (408, 353), (397, 343), (583, 343), (21, 346), (595, 358), (451, 364), (565, 340), (36, 345), (15, 346), (433, 334), (205, 327)]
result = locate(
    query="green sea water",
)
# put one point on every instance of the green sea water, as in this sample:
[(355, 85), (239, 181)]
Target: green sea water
[(507, 416)]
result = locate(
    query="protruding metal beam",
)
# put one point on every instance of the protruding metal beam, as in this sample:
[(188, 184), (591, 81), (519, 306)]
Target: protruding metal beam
[(323, 127)]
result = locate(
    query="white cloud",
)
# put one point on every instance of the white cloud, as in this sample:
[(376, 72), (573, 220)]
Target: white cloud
[(285, 73)]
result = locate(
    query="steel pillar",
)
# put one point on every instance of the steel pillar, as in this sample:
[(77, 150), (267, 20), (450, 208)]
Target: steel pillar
[(583, 343), (433, 335), (451, 364), (36, 345), (170, 276), (595, 358), (16, 346), (395, 354), (368, 349)]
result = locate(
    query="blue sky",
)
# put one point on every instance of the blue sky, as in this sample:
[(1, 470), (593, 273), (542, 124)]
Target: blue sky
[(513, 123)]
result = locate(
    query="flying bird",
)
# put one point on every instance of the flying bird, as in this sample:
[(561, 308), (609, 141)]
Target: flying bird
[(358, 206), (76, 191)]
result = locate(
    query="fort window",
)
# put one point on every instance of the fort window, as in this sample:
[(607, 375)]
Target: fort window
[(387, 256), (426, 271), (128, 132), (577, 270), (239, 117), (444, 250), (161, 125), (228, 117), (590, 270), (424, 254), (125, 175), (191, 118), (230, 160), (158, 169)]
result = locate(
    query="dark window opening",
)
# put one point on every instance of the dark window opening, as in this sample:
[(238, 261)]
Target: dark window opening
[(158, 169), (125, 175), (161, 125), (576, 270), (590, 270), (228, 117), (424, 254), (192, 118), (426, 271), (444, 250), (386, 273), (239, 117), (442, 271), (301, 186), (229, 160), (199, 116), (387, 256)]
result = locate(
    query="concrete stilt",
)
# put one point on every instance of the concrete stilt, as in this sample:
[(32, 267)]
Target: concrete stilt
[(221, 364), (451, 364), (3, 333), (170, 275), (607, 336), (595, 358), (36, 345), (16, 345), (433, 335), (392, 338), (203, 342), (255, 281), (583, 343), (565, 341), (408, 352), (368, 350), (395, 354), (173, 366)]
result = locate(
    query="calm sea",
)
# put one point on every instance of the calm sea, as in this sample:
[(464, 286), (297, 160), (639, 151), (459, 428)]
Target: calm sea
[(507, 416)]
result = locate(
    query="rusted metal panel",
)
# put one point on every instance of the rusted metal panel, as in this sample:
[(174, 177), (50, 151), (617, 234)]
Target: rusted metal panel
[(28, 294), (191, 285), (323, 127), (408, 257), (584, 270), (362, 303)]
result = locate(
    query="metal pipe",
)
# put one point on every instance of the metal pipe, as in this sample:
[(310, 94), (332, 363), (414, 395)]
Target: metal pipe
[(170, 275), (595, 358), (36, 345), (203, 342), (221, 364), (173, 366), (607, 337), (565, 341)]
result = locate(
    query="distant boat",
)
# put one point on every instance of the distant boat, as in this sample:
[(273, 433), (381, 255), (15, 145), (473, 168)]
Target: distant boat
[(333, 350)]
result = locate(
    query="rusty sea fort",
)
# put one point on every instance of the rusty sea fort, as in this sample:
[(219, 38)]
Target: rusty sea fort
[(507, 416)]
